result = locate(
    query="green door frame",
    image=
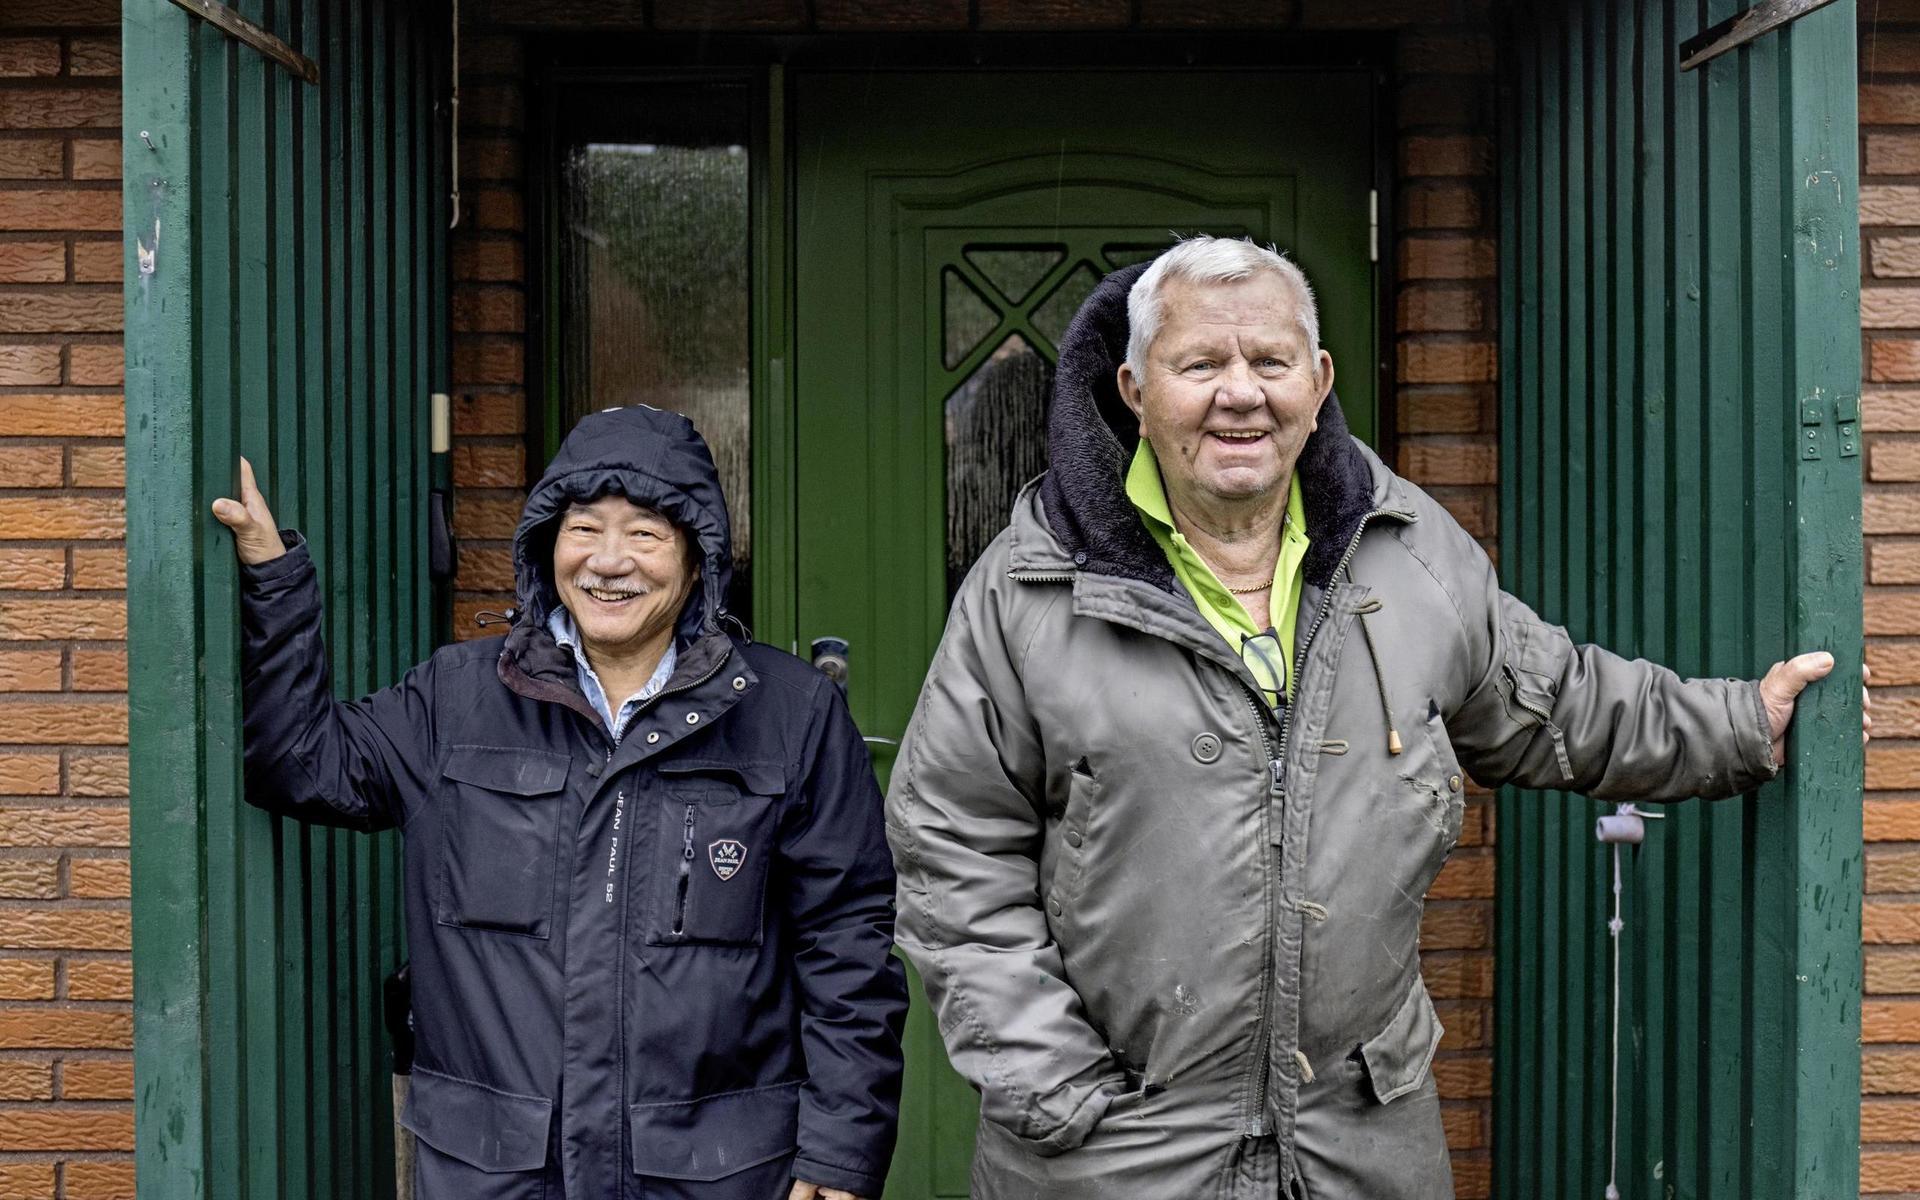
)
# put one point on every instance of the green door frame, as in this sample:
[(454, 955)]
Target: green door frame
[(768, 63), (286, 298)]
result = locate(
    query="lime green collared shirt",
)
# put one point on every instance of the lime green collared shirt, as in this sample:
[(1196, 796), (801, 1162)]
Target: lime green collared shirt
[(1220, 607)]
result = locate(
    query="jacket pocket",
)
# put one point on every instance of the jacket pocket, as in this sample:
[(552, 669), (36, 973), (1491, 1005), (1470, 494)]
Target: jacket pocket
[(717, 827), (1071, 838), (1529, 686), (477, 1142), (1397, 1057), (500, 838), (1443, 784), (716, 1136)]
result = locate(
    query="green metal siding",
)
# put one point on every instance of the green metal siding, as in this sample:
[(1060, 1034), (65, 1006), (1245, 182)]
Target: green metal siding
[(1680, 348), (294, 312)]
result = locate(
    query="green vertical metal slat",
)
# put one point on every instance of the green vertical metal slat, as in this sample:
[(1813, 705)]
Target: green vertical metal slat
[(1694, 295), (259, 948), (292, 944), (214, 301)]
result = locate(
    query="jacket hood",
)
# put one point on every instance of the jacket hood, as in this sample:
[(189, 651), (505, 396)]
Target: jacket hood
[(1091, 436), (655, 459)]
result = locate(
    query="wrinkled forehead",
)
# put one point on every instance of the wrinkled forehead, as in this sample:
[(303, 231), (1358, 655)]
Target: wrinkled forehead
[(1261, 300), (617, 509)]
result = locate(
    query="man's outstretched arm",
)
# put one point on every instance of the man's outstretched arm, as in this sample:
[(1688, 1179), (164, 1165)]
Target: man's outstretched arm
[(307, 754)]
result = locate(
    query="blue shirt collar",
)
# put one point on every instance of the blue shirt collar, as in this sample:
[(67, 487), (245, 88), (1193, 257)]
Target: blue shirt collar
[(561, 625)]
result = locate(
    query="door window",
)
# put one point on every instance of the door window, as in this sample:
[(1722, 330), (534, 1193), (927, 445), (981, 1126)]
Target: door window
[(653, 269)]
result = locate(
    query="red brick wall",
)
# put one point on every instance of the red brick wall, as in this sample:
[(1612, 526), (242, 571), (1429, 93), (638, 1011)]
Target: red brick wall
[(1445, 317), (489, 327), (1890, 317), (66, 1071)]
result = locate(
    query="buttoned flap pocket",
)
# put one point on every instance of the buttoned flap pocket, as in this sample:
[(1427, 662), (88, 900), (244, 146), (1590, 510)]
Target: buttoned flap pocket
[(1069, 838), (1397, 1057), (491, 1131), (718, 825), (501, 825), (1529, 683), (717, 1136), (1438, 780)]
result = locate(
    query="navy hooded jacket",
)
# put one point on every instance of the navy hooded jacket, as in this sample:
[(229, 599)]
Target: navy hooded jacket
[(653, 968)]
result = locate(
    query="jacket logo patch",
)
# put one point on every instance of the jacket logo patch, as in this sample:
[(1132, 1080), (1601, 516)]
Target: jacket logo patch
[(727, 857)]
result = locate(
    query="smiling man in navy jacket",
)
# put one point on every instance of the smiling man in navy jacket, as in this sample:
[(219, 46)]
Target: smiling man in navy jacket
[(650, 943)]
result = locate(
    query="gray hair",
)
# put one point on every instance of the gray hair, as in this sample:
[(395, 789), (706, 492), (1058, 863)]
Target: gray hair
[(1204, 258)]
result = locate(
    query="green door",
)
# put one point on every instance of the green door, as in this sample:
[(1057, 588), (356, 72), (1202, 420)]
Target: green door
[(947, 226), (1680, 478), (285, 284)]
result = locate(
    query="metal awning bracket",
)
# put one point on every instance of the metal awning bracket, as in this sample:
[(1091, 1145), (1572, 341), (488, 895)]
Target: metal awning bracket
[(1737, 31), (231, 23)]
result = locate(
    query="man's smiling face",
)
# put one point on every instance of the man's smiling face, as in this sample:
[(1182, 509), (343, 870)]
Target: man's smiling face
[(623, 571), (1230, 390)]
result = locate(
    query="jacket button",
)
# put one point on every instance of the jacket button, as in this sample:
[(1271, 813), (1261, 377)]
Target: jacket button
[(1206, 748), (693, 718), (1053, 906), (1080, 558), (739, 683), (1073, 837), (1453, 783), (653, 737)]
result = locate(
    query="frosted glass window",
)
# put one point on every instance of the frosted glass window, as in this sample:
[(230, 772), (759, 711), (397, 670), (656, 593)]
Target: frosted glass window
[(996, 434), (654, 287)]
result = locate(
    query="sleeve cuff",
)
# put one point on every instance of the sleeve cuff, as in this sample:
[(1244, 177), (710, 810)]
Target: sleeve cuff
[(860, 1183), (1077, 1127), (259, 576), (1756, 748)]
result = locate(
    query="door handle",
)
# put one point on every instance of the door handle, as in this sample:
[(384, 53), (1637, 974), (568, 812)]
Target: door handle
[(830, 657)]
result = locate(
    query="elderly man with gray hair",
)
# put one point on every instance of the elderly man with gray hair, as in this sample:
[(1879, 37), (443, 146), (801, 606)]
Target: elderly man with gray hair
[(1194, 746)]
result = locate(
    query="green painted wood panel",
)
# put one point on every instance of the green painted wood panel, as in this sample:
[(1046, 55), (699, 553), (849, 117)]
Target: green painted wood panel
[(1680, 479), (286, 300)]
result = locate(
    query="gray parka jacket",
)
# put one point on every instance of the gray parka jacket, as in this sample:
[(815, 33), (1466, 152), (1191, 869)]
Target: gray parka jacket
[(1171, 934)]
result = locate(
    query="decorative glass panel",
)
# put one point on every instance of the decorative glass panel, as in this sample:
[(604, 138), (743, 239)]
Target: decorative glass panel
[(1015, 269), (1056, 312), (654, 283), (996, 429), (968, 318), (1125, 254)]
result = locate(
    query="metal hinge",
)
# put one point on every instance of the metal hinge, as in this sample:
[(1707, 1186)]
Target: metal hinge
[(1373, 224), (231, 23)]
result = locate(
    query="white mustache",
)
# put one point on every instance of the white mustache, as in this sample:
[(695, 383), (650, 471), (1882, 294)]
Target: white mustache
[(592, 582)]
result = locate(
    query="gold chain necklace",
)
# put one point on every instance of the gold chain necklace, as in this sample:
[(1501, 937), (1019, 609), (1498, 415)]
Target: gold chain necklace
[(1286, 519)]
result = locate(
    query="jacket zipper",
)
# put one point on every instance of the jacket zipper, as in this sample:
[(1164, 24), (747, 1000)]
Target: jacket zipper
[(686, 875), (1276, 787), (1025, 576), (1263, 1039), (694, 683)]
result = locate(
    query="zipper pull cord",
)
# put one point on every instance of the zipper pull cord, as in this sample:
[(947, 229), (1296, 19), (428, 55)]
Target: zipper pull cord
[(1373, 605), (686, 875)]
